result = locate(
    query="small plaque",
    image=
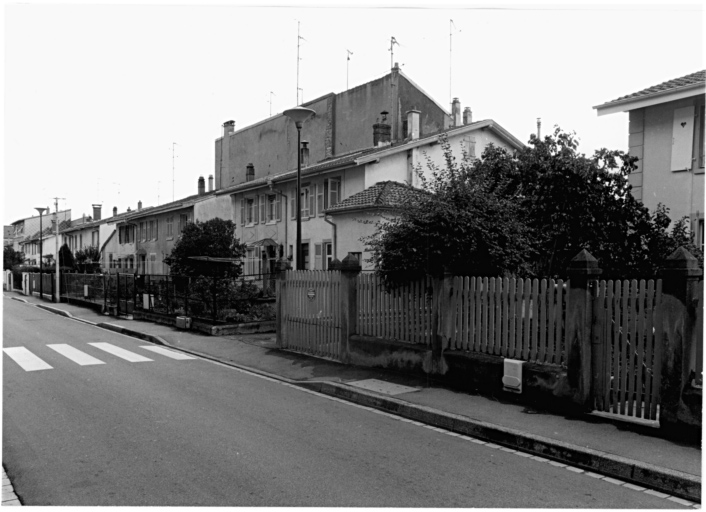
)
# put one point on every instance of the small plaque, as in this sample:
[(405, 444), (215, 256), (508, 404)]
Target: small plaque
[(311, 293)]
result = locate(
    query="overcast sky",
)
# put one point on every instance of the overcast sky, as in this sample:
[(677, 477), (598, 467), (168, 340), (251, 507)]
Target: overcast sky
[(96, 94)]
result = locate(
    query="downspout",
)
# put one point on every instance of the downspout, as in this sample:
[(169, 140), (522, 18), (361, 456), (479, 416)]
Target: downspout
[(334, 235)]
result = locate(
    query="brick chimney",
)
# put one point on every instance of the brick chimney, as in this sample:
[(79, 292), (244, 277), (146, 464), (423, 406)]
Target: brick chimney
[(115, 211), (305, 153), (228, 127), (249, 172), (467, 116), (202, 186), (139, 206), (456, 113), (382, 132), (210, 182), (413, 124), (97, 211)]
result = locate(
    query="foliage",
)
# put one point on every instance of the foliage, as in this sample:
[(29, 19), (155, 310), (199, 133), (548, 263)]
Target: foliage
[(88, 259), (11, 257), (66, 257), (214, 238), (528, 213)]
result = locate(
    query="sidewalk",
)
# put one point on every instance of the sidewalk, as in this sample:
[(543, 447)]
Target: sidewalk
[(632, 453)]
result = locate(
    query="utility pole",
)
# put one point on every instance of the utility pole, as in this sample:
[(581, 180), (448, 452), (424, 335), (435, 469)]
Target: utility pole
[(57, 281)]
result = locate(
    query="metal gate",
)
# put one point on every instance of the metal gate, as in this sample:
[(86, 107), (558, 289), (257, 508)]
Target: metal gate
[(311, 312), (627, 314)]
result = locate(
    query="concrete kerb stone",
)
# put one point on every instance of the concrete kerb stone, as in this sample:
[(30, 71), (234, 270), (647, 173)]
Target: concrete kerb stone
[(153, 338), (673, 482), (56, 311)]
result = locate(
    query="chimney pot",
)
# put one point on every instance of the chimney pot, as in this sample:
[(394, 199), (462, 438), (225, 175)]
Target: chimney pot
[(456, 112), (202, 186), (139, 205), (228, 127), (413, 124), (467, 116), (115, 211), (210, 182)]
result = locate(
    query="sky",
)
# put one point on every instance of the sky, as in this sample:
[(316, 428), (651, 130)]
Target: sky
[(122, 102)]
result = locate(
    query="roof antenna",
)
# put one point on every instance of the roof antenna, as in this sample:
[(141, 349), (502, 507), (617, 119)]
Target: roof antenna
[(347, 61), (393, 42)]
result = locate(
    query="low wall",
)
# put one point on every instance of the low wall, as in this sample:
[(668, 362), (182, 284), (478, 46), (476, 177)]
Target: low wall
[(384, 353), (243, 328)]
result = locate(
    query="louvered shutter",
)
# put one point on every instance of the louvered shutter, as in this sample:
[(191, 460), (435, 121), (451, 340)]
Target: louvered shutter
[(293, 204), (320, 200), (312, 201), (263, 205), (242, 211), (335, 191), (278, 205)]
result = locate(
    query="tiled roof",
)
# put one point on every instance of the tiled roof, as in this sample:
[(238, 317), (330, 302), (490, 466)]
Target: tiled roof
[(698, 78), (386, 194)]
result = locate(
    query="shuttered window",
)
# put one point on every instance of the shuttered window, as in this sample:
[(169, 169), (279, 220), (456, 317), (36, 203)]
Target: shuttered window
[(682, 138)]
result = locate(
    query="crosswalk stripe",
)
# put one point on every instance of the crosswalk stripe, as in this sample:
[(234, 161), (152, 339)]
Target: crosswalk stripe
[(26, 359), (120, 352), (168, 353), (75, 354)]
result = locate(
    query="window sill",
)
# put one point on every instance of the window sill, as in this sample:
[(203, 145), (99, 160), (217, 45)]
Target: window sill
[(170, 238)]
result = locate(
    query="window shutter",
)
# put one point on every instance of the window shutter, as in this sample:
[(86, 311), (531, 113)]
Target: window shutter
[(242, 211), (263, 204), (326, 194), (293, 204), (120, 235), (318, 260), (335, 190), (320, 199), (156, 229), (312, 201), (682, 138), (255, 208), (278, 206)]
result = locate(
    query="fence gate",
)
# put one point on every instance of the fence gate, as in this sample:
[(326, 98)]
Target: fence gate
[(311, 312), (626, 317)]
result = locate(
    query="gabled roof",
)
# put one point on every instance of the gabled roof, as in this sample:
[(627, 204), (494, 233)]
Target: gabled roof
[(382, 195), (670, 90), (167, 207)]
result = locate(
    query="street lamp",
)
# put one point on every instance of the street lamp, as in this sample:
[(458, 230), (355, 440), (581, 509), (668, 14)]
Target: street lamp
[(299, 115), (41, 278)]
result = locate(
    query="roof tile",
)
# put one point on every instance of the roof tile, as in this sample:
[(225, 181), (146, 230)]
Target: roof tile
[(386, 194), (693, 79)]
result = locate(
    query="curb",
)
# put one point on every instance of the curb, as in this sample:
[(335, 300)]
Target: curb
[(673, 482)]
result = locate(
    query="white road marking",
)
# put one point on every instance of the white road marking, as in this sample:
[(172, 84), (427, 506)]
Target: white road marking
[(120, 352), (26, 359), (168, 353), (75, 354)]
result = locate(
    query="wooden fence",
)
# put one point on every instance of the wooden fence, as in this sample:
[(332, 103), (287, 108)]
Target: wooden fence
[(402, 313), (514, 318), (311, 312)]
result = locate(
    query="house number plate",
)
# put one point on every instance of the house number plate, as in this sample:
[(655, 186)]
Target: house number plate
[(311, 293)]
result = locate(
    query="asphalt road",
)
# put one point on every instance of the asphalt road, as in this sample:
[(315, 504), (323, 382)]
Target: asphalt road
[(173, 432)]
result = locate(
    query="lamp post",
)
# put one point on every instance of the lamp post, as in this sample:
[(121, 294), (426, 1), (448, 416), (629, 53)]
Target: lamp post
[(299, 115), (41, 277)]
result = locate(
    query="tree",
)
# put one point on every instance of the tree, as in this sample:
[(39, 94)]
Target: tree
[(87, 259), (11, 257), (66, 257), (214, 238), (467, 221), (529, 213)]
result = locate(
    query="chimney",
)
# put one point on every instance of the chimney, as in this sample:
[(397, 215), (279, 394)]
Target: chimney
[(456, 113), (249, 172), (97, 211), (139, 206), (539, 127), (210, 182), (128, 209), (202, 186), (382, 132), (115, 211), (228, 127), (467, 116), (413, 124), (305, 153)]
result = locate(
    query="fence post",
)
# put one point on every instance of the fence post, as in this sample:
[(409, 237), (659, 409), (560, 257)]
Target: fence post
[(680, 400), (213, 309), (583, 272), (350, 268), (280, 286)]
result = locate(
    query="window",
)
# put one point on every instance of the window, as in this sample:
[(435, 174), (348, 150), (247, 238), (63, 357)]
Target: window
[(701, 137), (330, 195), (142, 231), (183, 219), (95, 241), (328, 255), (156, 229), (170, 226), (252, 261), (273, 208), (305, 255), (358, 255), (318, 257), (307, 196)]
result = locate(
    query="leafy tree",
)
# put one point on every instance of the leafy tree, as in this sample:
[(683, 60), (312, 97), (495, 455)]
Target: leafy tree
[(529, 212), (87, 259), (214, 238), (66, 257), (11, 257)]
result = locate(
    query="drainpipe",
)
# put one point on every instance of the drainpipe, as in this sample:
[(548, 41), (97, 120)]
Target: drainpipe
[(334, 235)]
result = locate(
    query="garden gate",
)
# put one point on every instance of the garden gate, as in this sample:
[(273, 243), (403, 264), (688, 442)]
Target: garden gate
[(310, 302), (626, 316)]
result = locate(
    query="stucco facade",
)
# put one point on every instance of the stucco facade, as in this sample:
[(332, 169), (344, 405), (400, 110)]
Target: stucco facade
[(666, 134)]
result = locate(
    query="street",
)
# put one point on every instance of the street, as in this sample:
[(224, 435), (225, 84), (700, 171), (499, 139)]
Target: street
[(95, 418)]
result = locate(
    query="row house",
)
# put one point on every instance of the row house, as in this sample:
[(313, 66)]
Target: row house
[(23, 228), (342, 197)]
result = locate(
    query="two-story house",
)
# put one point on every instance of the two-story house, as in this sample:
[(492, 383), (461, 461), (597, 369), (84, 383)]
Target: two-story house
[(667, 135), (23, 228)]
